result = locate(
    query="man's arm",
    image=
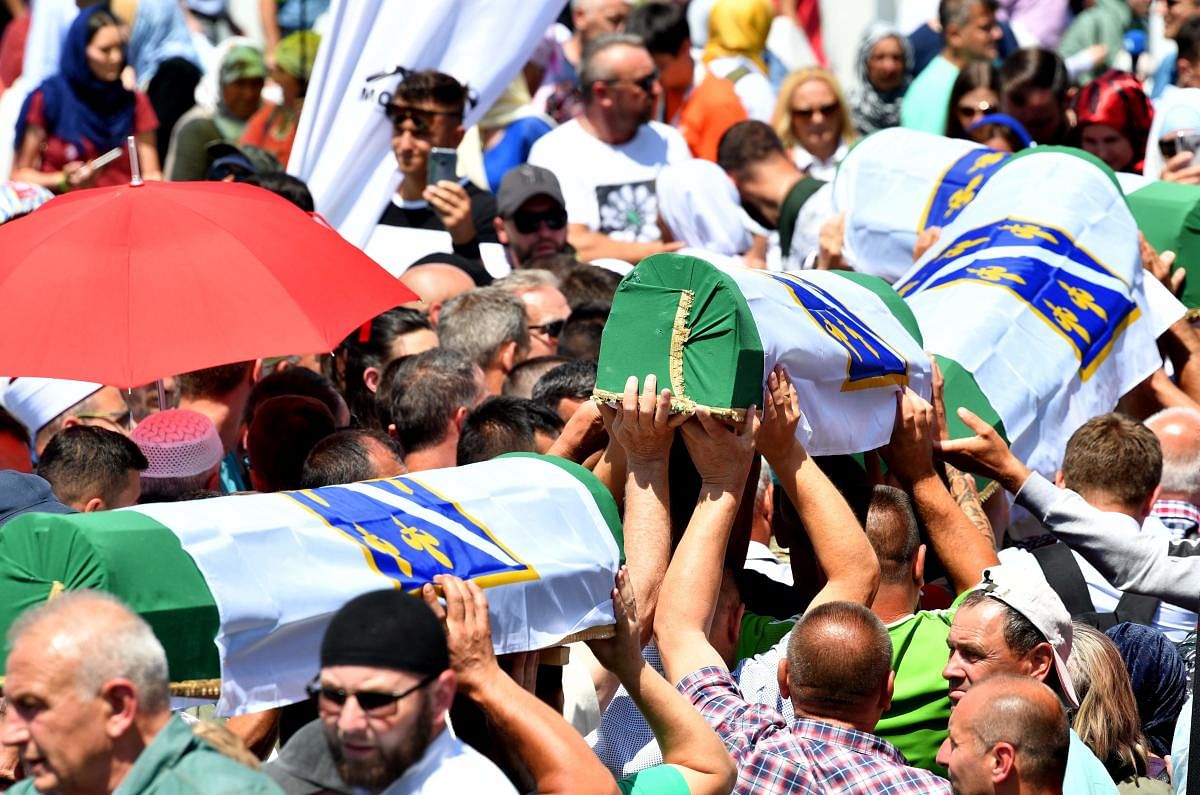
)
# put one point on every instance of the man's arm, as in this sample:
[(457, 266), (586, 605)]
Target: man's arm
[(689, 591), (963, 550), (1127, 558), (838, 541), (1182, 345), (590, 245), (684, 737), (555, 755)]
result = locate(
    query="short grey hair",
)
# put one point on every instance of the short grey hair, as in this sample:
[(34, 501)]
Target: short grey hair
[(479, 322), (1180, 473), (109, 640), (958, 12), (592, 72), (521, 281)]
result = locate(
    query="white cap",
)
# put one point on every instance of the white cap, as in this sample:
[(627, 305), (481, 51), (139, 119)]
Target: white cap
[(36, 401)]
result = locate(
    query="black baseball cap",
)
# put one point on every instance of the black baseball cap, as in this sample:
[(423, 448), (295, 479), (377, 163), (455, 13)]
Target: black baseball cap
[(524, 182)]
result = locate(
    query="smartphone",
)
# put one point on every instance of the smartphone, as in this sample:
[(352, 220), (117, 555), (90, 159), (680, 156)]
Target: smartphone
[(1182, 141), (443, 165)]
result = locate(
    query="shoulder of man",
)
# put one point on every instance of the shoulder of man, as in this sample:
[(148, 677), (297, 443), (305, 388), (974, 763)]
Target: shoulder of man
[(203, 770)]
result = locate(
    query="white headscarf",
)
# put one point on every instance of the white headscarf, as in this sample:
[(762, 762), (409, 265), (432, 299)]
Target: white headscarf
[(1176, 110), (700, 207)]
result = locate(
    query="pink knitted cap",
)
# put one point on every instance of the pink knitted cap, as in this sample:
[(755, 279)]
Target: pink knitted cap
[(178, 443)]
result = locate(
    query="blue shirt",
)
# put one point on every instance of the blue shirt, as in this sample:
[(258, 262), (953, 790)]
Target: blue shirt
[(1085, 773)]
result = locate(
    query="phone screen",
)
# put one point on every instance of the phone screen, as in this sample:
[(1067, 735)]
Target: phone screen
[(443, 165)]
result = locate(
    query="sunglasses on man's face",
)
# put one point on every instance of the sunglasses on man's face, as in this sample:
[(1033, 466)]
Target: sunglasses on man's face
[(422, 120), (644, 83), (808, 113), (528, 223), (551, 329), (372, 702)]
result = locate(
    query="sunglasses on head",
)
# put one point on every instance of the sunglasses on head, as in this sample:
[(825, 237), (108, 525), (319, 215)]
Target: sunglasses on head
[(808, 113), (528, 223), (551, 329), (370, 701), (421, 119)]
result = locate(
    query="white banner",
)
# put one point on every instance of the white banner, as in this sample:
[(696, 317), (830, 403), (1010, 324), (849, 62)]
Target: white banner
[(343, 146)]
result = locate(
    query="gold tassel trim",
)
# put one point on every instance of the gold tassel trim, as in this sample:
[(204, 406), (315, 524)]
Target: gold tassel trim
[(679, 337)]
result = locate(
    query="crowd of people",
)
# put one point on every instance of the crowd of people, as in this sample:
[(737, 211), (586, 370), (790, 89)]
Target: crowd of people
[(784, 622)]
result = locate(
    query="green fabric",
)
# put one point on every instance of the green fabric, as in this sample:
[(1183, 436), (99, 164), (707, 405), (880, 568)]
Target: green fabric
[(1169, 216), (891, 299), (960, 389), (1104, 23), (600, 493), (789, 212), (177, 761), (126, 554), (722, 357), (659, 780), (760, 633), (928, 98)]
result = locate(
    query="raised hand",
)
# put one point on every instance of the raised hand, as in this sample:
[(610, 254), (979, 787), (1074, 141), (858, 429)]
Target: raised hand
[(781, 414), (468, 631), (644, 425), (984, 454)]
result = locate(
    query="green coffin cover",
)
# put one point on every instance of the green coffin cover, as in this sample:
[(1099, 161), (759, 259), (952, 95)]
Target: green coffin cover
[(1169, 216), (686, 322), (123, 553)]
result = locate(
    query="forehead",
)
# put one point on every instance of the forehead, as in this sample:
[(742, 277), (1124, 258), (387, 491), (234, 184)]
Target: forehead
[(889, 45), (626, 60), (107, 36), (814, 89), (39, 664), (537, 204), (982, 624), (362, 677)]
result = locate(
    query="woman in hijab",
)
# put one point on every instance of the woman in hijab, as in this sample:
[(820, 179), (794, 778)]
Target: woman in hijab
[(83, 112), (1113, 120), (884, 64), (736, 47), (1173, 150), (273, 127), (698, 206), (813, 121), (1159, 679)]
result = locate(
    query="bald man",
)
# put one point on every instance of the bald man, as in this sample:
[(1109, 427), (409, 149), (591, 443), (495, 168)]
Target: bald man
[(1008, 735), (1178, 503), (436, 283)]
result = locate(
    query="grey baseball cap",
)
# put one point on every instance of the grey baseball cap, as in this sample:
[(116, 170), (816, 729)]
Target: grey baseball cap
[(521, 184)]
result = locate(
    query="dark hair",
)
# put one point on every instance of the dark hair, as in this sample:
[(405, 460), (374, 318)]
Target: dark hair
[(360, 351), (421, 393), (976, 74), (504, 425), (434, 87), (212, 382), (958, 12), (295, 381), (747, 144), (575, 379), (524, 377), (83, 461), (1113, 455), (1188, 40), (284, 184), (581, 334), (662, 26), (588, 284), (345, 457), (100, 19), (893, 532), (986, 132), (839, 657), (1034, 68), (284, 430), (13, 427)]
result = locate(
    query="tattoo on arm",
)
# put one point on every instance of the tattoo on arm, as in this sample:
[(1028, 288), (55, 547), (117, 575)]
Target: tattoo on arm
[(962, 488)]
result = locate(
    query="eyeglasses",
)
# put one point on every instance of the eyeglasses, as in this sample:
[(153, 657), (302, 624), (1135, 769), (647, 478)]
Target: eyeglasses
[(644, 83), (528, 223), (808, 113), (972, 111), (421, 119), (121, 420), (551, 329), (372, 702), (1183, 141)]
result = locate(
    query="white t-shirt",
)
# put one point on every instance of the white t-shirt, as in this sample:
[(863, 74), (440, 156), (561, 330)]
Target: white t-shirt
[(753, 88), (610, 189)]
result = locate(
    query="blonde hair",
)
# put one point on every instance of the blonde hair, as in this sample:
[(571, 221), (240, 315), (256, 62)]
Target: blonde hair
[(781, 119), (222, 738), (1107, 720)]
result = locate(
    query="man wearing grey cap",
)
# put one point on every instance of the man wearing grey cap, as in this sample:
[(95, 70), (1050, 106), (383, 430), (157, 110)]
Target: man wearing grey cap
[(383, 692), (531, 216)]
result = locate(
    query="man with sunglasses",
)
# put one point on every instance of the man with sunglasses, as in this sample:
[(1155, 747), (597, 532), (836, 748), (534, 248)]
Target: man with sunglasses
[(546, 308), (383, 692), (47, 405), (532, 216), (608, 158), (451, 216)]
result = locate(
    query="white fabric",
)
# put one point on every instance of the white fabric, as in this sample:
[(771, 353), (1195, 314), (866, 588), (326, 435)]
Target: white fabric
[(36, 401), (904, 166), (611, 189), (982, 322), (700, 207), (760, 558), (279, 565), (1152, 169), (450, 765), (843, 412), (806, 237), (815, 167), (343, 145), (753, 88), (398, 247)]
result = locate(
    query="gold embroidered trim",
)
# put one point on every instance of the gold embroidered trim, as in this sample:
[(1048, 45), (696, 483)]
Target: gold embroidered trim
[(678, 405), (679, 337)]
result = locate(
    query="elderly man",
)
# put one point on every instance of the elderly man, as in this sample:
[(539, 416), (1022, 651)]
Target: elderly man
[(1178, 503), (1009, 735), (531, 219), (608, 158), (89, 708), (488, 325), (382, 694), (546, 308), (47, 405)]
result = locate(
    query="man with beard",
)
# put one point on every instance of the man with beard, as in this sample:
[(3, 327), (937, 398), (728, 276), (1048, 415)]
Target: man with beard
[(531, 218), (383, 693)]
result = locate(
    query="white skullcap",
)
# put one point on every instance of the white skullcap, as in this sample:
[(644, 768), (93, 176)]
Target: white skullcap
[(36, 401)]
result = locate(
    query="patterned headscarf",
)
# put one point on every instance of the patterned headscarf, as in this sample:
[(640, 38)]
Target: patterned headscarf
[(1116, 99), (874, 109)]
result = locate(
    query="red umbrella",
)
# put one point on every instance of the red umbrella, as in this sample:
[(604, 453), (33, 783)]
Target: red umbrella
[(129, 284)]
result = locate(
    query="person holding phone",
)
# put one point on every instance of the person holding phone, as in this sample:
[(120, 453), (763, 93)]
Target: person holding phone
[(1179, 143), (433, 210)]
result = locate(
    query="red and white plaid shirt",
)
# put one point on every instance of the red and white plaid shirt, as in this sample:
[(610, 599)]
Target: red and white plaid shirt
[(808, 756)]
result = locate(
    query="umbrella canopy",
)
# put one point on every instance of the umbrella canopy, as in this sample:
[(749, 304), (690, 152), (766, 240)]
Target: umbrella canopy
[(125, 285)]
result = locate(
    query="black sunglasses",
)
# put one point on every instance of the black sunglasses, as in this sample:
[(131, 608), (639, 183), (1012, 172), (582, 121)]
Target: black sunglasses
[(371, 701), (644, 83), (551, 329), (808, 113), (422, 120), (528, 223)]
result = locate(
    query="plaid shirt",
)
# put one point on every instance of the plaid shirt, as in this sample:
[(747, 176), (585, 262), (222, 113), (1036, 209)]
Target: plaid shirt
[(1180, 516), (808, 756)]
